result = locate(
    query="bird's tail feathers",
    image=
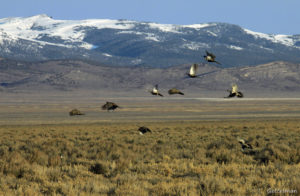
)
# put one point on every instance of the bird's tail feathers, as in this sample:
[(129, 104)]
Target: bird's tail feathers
[(218, 62)]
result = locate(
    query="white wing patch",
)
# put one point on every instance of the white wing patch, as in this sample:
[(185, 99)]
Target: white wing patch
[(234, 88), (155, 90), (208, 58), (193, 70)]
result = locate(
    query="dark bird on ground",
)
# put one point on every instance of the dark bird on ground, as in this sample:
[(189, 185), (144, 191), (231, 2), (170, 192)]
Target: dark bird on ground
[(155, 91), (75, 112), (210, 57), (193, 71), (173, 91), (234, 92), (246, 147), (110, 106), (143, 130), (244, 144)]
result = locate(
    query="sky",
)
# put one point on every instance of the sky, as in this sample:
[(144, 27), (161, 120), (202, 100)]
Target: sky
[(266, 16)]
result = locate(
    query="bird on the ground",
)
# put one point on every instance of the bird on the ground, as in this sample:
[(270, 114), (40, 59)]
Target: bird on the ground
[(234, 92), (173, 91), (210, 57), (244, 144), (193, 71), (110, 106), (246, 147), (75, 112), (155, 91), (143, 130)]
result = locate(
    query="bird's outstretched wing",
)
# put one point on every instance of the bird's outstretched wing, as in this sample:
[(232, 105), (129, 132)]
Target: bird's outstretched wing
[(218, 62), (231, 95), (104, 107), (210, 54), (193, 69), (240, 94), (234, 88), (115, 105), (171, 91), (155, 89)]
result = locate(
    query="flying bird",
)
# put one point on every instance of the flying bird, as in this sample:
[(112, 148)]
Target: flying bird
[(234, 92), (173, 91), (210, 57), (193, 71), (155, 91), (143, 130), (110, 106)]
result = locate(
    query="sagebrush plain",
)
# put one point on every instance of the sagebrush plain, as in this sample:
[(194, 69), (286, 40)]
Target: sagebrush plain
[(193, 148)]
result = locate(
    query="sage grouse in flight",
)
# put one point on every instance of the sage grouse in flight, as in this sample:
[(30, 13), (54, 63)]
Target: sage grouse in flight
[(110, 106), (173, 91), (234, 92), (210, 57), (155, 91), (143, 130), (193, 71)]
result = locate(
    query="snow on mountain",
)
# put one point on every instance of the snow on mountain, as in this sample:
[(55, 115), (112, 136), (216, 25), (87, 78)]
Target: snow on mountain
[(199, 26), (32, 28), (120, 42), (35, 27), (235, 47), (148, 36), (195, 45), (177, 28), (282, 39), (165, 28)]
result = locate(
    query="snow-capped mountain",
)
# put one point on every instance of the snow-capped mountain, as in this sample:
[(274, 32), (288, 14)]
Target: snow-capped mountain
[(124, 42)]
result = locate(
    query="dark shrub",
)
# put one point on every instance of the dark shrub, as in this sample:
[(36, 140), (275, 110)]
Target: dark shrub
[(98, 168), (264, 156)]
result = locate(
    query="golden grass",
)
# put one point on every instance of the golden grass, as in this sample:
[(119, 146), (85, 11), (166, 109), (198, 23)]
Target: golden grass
[(178, 158)]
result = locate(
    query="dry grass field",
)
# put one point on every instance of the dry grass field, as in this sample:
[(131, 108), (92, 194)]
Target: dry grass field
[(192, 150)]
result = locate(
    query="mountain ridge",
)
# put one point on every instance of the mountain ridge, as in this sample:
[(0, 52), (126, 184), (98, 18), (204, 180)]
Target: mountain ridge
[(75, 76), (125, 42)]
